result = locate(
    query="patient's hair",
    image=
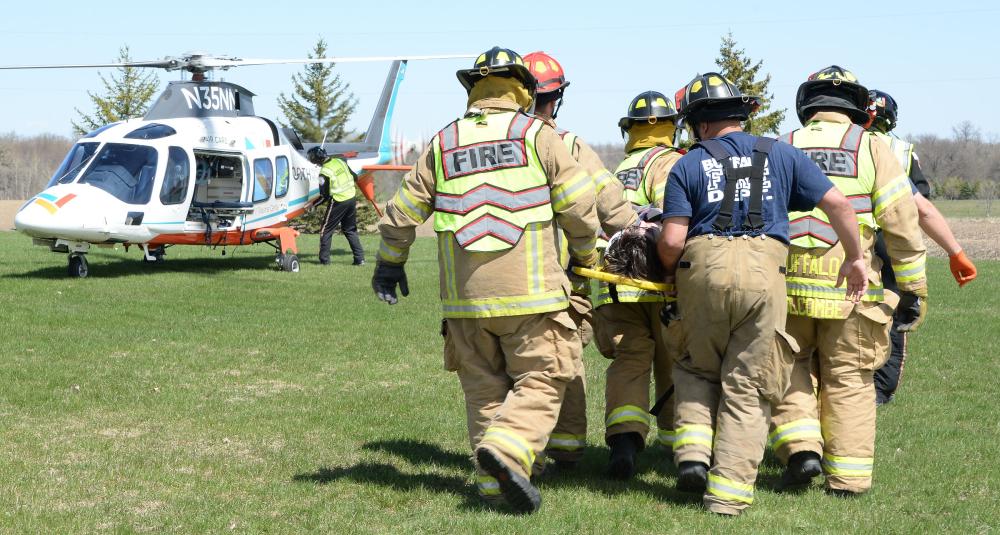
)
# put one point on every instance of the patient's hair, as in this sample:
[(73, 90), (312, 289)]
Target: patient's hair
[(633, 254)]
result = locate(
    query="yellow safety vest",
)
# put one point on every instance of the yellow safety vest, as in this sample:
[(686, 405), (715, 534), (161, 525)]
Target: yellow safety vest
[(489, 183), (843, 152), (634, 173), (902, 150), (341, 179)]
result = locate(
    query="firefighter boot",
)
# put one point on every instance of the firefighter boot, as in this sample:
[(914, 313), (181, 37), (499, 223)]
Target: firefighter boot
[(624, 448), (802, 467), (515, 488), (692, 476)]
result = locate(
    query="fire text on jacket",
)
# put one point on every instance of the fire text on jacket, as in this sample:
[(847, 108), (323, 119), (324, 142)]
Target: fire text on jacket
[(484, 157)]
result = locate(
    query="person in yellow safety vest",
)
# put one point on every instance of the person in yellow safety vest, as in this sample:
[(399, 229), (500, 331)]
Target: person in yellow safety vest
[(337, 189), (628, 328), (725, 239), (846, 342), (570, 434), (497, 181), (884, 112)]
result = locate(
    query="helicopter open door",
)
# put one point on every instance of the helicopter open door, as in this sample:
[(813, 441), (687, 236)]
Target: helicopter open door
[(220, 196)]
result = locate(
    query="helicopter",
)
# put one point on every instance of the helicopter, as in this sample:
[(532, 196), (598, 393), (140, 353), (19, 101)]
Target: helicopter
[(200, 168)]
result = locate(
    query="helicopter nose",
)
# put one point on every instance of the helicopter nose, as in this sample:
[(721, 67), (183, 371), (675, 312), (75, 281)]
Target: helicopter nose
[(40, 218)]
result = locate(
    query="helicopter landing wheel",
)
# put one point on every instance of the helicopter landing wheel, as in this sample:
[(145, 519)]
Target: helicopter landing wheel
[(157, 255), (290, 263), (78, 266)]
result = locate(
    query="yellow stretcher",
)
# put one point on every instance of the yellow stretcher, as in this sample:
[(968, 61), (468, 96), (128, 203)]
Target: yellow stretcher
[(618, 279)]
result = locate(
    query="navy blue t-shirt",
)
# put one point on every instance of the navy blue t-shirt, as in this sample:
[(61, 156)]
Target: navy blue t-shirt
[(696, 186)]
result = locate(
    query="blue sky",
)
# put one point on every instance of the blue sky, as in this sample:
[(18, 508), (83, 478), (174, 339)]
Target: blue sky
[(938, 59)]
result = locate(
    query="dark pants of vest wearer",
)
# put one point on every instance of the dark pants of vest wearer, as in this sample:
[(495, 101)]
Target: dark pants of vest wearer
[(731, 296), (889, 376), (344, 213)]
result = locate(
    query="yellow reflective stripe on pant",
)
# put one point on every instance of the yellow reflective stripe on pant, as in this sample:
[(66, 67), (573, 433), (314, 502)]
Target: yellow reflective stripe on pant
[(627, 413), (848, 466), (511, 443), (696, 434), (804, 429), (487, 485), (910, 271), (728, 489), (566, 442), (489, 307), (665, 437)]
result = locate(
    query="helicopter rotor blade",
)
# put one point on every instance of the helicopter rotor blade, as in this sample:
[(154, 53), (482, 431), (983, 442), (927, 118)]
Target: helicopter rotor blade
[(232, 62), (155, 64)]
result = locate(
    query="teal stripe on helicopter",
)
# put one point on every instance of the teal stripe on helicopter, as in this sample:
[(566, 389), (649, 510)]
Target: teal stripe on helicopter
[(301, 200), (268, 216)]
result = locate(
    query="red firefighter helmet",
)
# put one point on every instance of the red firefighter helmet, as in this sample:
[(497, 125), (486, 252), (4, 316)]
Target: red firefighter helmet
[(547, 71)]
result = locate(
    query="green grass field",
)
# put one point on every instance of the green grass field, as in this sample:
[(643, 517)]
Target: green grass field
[(217, 394), (968, 208)]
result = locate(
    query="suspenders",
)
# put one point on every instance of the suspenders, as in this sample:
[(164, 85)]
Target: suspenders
[(754, 173)]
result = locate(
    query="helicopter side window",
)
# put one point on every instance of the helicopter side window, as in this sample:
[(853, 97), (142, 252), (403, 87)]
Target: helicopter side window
[(123, 170), (75, 160), (263, 174), (218, 177), (176, 178), (281, 188)]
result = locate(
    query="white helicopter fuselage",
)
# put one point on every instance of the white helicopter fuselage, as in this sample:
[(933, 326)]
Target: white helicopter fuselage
[(273, 182)]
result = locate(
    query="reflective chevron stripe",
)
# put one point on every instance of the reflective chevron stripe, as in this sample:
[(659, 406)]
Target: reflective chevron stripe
[(487, 194)]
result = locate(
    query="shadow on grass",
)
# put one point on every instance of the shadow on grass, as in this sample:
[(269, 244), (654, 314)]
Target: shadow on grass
[(109, 267), (589, 474)]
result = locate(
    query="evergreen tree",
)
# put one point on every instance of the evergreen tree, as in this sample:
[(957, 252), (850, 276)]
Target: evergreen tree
[(742, 71), (322, 103), (126, 95)]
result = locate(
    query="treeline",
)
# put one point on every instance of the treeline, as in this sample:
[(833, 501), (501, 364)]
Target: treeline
[(964, 166), (27, 163)]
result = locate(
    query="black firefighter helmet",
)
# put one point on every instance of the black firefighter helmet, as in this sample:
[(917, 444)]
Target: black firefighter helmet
[(712, 97), (648, 107), (832, 88), (317, 155), (498, 62), (886, 110)]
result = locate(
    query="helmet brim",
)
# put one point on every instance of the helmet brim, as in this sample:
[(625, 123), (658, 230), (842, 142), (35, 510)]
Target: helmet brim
[(713, 109), (469, 77)]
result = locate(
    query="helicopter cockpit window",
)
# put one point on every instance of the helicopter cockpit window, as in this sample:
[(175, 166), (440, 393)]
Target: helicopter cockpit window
[(281, 188), (123, 170), (94, 133), (176, 178), (78, 157), (151, 131), (263, 174)]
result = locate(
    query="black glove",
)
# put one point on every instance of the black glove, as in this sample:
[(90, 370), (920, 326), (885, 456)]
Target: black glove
[(385, 279), (911, 312), (669, 312)]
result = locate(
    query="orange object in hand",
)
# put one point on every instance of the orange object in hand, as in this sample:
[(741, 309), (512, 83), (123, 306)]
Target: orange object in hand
[(962, 268)]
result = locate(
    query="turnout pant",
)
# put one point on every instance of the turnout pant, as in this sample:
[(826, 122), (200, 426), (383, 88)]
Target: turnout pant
[(731, 294), (632, 335), (570, 434), (837, 419), (344, 213), (514, 372)]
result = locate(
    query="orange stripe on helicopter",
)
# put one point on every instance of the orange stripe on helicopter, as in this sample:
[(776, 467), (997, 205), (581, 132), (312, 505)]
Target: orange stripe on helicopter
[(66, 198)]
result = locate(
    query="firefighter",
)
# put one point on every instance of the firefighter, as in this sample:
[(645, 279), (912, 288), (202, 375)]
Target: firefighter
[(570, 434), (496, 182), (725, 242), (845, 342), (884, 111), (337, 189), (628, 327)]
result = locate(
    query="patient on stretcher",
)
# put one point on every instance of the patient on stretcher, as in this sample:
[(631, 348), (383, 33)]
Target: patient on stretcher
[(631, 251)]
